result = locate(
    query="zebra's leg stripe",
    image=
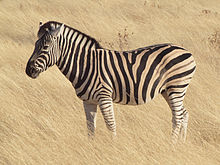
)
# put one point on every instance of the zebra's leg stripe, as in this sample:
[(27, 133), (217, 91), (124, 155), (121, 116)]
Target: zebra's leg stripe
[(179, 114), (183, 130), (106, 108)]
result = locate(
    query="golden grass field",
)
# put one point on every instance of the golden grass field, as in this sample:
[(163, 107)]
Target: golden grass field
[(43, 122)]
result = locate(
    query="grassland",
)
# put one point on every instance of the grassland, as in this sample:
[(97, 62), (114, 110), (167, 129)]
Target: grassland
[(42, 121)]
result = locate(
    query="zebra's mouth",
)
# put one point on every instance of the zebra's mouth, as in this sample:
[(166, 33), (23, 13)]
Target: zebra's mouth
[(32, 72)]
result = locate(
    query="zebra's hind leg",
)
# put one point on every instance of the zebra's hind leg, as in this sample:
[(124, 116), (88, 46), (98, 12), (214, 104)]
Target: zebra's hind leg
[(106, 107), (183, 130), (90, 110), (174, 98)]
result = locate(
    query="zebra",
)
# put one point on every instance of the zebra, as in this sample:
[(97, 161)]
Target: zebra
[(102, 77)]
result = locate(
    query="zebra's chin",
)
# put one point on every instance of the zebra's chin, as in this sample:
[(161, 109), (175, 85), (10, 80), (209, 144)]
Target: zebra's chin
[(34, 76)]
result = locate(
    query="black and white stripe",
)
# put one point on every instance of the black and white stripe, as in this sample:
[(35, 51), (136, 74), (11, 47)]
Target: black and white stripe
[(101, 76)]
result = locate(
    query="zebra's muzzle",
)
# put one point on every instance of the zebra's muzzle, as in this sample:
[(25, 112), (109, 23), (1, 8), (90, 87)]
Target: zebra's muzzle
[(32, 72)]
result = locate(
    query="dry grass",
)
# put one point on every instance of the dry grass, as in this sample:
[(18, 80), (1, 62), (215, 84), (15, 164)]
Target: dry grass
[(42, 121)]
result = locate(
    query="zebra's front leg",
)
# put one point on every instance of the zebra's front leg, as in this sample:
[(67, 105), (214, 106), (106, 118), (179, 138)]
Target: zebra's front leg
[(106, 107), (90, 110)]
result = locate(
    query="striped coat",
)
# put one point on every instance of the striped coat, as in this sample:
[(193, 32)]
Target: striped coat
[(101, 76)]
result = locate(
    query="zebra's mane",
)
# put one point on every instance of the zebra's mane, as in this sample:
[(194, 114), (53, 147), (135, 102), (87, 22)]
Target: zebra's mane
[(49, 25)]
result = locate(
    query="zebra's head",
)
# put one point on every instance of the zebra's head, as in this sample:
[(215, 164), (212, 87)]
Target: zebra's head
[(46, 52)]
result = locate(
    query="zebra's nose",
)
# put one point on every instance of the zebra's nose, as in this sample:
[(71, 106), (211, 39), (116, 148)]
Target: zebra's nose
[(30, 68)]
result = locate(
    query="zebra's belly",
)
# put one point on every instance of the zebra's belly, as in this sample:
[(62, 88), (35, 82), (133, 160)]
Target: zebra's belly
[(85, 98), (129, 103), (115, 100), (128, 100), (133, 98)]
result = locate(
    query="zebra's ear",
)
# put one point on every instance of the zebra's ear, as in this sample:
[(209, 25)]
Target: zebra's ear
[(56, 32), (40, 24)]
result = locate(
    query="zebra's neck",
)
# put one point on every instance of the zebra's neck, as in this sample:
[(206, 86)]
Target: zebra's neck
[(76, 51)]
